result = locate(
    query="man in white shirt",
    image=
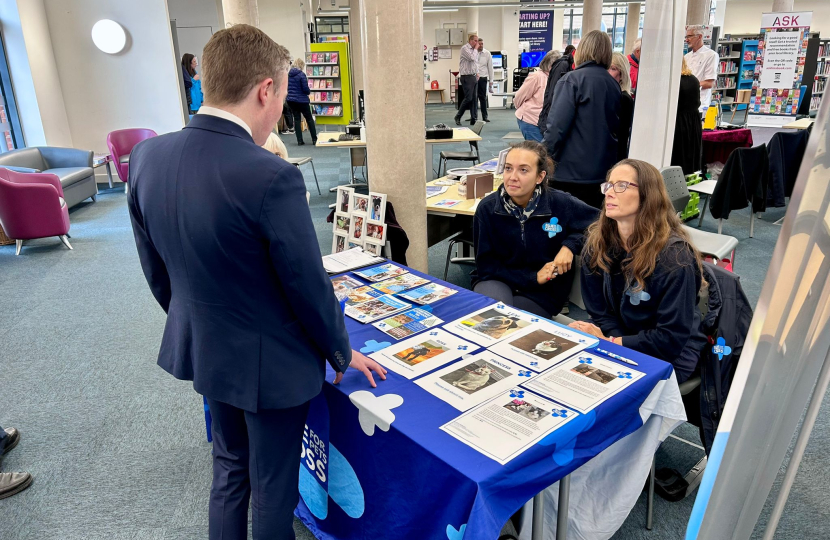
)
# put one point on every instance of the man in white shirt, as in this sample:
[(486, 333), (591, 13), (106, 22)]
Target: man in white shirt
[(703, 62), (468, 78), (485, 76)]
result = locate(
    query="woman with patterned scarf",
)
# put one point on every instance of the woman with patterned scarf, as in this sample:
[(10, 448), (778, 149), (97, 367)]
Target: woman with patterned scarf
[(527, 234)]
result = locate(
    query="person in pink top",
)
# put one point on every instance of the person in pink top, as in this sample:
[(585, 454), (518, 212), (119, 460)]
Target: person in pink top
[(531, 96)]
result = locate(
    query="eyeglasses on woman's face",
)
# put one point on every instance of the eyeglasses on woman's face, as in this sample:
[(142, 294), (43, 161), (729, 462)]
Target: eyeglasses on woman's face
[(619, 187)]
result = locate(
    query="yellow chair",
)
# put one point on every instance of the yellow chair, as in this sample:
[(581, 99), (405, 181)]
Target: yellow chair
[(710, 121)]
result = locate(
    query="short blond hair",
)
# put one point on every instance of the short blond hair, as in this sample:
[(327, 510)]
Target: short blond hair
[(623, 66), (299, 63), (471, 36), (684, 67), (238, 58), (638, 44), (275, 145), (594, 47)]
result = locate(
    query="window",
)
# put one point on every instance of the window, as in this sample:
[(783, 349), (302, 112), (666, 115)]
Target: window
[(11, 133), (613, 22)]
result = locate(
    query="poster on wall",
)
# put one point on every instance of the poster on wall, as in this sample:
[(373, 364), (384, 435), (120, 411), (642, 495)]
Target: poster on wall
[(776, 85), (536, 27)]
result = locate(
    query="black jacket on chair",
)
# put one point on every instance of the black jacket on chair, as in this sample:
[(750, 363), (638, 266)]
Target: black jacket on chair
[(726, 323), (744, 178), (786, 150)]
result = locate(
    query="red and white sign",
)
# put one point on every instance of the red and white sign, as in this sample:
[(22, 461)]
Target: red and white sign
[(786, 20)]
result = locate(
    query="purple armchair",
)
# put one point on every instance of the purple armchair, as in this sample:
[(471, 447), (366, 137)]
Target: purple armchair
[(121, 143), (32, 206)]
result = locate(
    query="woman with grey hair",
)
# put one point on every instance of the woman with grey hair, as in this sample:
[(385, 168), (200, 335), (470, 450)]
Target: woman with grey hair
[(530, 97)]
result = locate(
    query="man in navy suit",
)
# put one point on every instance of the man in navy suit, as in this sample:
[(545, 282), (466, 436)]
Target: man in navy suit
[(226, 241)]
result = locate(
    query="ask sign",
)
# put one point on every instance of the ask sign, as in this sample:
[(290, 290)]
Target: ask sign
[(800, 19)]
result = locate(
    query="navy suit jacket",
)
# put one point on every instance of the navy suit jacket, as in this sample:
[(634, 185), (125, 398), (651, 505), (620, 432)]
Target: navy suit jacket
[(229, 250)]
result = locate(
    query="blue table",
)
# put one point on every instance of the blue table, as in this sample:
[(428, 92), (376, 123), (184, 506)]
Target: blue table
[(414, 481)]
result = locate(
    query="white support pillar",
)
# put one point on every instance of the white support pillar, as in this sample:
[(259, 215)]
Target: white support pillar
[(591, 16), (697, 12), (240, 12), (632, 26), (783, 6), (558, 30), (396, 149)]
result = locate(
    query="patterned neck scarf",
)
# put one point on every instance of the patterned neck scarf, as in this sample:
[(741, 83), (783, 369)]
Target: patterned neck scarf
[(522, 214)]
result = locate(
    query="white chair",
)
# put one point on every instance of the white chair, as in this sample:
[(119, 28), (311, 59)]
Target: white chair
[(302, 161)]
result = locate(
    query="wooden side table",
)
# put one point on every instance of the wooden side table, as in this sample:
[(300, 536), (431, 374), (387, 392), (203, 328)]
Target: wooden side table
[(428, 90)]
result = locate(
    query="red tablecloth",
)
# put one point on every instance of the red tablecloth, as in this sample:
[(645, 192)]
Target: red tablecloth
[(718, 144)]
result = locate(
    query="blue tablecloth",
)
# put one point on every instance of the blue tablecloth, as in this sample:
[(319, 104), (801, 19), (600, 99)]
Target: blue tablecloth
[(414, 481)]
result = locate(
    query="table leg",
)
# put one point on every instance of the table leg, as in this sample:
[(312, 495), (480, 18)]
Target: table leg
[(537, 531), (109, 174), (429, 169), (562, 511), (705, 204)]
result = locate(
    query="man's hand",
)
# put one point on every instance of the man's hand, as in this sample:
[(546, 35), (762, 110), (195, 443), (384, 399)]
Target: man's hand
[(365, 365)]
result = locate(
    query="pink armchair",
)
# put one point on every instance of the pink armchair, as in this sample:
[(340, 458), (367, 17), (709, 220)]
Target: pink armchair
[(32, 206), (121, 143)]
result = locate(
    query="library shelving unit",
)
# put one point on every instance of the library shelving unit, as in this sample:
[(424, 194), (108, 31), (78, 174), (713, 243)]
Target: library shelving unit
[(746, 68), (327, 69), (729, 61), (822, 74)]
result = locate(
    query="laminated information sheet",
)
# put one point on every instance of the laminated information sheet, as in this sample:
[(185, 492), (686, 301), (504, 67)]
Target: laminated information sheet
[(379, 273), (399, 283), (584, 381), (428, 294), (422, 353), (407, 323), (474, 380), (542, 345), (376, 308), (492, 324), (509, 424)]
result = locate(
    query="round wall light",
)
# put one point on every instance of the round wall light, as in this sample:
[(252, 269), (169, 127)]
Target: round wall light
[(109, 36)]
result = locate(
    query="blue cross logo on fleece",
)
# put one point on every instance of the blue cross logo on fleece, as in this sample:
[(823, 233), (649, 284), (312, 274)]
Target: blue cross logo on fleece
[(637, 297), (553, 227), (721, 348)]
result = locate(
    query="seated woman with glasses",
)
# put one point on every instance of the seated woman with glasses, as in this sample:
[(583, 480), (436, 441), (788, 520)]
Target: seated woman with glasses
[(526, 235), (640, 275)]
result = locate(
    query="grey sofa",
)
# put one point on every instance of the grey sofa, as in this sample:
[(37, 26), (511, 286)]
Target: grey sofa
[(73, 167)]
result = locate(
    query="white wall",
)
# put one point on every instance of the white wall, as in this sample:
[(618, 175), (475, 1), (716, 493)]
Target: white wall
[(136, 88), (284, 22), (34, 73), (744, 16), (196, 21)]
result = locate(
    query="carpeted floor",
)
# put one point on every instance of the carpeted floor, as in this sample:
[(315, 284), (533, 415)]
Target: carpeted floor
[(117, 447)]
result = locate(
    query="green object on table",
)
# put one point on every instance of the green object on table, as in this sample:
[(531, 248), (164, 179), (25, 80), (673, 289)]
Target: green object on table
[(691, 209)]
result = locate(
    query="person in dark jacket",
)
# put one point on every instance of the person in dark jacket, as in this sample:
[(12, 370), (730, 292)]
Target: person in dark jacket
[(619, 71), (640, 275), (583, 121), (559, 68), (687, 148), (526, 235), (299, 103)]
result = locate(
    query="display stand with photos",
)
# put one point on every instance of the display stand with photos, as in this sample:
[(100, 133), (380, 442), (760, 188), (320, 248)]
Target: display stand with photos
[(327, 69), (359, 221)]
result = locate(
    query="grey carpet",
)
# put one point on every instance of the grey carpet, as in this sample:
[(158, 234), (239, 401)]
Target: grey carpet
[(118, 447)]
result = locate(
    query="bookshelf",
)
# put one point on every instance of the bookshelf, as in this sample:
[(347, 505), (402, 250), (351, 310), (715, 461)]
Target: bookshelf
[(729, 60), (822, 74), (327, 69)]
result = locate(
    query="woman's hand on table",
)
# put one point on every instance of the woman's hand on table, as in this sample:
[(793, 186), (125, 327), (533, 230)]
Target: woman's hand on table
[(591, 329), (365, 365)]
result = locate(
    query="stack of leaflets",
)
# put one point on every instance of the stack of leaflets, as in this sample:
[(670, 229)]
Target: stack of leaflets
[(382, 272), (360, 295), (343, 285), (407, 323), (428, 293), (376, 308), (350, 259), (400, 283)]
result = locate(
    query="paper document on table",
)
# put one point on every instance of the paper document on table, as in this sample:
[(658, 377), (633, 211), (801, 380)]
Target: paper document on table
[(446, 203), (473, 380), (490, 165), (348, 260), (584, 381), (509, 424), (380, 273), (543, 345), (399, 283), (407, 323), (422, 353), (444, 182), (432, 191), (492, 324), (376, 308), (343, 285), (427, 294)]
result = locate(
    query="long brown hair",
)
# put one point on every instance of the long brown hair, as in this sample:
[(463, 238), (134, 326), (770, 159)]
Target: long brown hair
[(656, 222)]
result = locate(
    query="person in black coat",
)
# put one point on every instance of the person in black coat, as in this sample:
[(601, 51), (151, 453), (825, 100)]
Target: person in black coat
[(251, 313), (583, 121), (560, 67), (526, 235), (619, 71), (687, 148), (298, 102), (640, 275)]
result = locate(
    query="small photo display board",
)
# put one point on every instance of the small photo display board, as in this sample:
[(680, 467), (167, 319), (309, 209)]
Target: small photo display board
[(359, 221)]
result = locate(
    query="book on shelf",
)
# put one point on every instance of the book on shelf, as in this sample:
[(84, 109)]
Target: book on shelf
[(333, 57), (328, 71), (309, 71), (749, 56), (329, 83), (330, 111), (335, 72), (329, 96), (314, 57), (335, 96), (326, 57)]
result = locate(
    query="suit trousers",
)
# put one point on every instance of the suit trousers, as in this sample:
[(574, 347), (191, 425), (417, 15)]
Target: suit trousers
[(255, 455), (482, 96), (468, 83)]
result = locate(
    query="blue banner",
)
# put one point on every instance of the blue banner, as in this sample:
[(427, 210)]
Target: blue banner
[(536, 27)]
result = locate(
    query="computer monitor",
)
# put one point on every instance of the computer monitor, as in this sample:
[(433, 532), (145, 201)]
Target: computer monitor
[(497, 61), (532, 59)]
